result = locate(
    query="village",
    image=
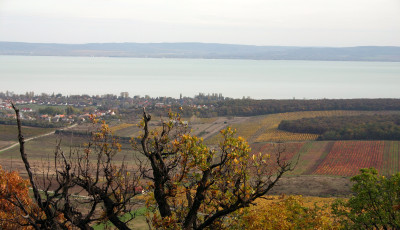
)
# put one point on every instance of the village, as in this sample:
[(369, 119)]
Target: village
[(58, 108)]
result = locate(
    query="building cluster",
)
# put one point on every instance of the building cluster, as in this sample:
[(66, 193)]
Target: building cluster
[(57, 108), (30, 109), (109, 101)]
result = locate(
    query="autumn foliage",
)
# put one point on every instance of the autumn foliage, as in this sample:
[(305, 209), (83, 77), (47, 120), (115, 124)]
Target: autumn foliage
[(195, 186), (14, 190), (287, 212)]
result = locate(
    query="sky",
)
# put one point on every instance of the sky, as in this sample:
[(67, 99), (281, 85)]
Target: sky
[(336, 23)]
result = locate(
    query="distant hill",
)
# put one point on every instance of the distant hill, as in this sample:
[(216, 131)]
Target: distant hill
[(203, 50)]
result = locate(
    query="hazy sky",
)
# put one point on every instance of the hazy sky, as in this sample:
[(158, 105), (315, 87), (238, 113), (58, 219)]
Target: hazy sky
[(254, 22)]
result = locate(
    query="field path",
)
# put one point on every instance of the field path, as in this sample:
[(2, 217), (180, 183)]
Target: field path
[(35, 137), (219, 124)]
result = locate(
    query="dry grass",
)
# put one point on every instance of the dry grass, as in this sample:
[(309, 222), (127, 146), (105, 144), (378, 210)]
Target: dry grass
[(121, 126)]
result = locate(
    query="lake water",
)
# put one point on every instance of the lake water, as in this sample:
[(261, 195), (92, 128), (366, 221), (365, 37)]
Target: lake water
[(170, 77)]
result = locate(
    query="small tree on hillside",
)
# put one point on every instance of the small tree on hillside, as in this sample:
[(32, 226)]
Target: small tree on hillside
[(195, 186)]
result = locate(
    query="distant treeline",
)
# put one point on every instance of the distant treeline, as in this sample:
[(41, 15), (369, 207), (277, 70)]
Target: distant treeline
[(361, 127), (249, 107), (34, 123), (51, 110)]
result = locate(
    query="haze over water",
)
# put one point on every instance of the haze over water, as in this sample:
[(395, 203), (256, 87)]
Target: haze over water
[(259, 79)]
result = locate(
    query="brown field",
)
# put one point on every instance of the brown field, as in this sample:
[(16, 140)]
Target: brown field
[(313, 185)]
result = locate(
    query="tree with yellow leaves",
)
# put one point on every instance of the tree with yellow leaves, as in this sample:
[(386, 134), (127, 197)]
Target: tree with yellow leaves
[(194, 186), (284, 213)]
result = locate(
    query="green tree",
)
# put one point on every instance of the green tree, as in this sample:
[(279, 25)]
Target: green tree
[(71, 110), (374, 204), (51, 110)]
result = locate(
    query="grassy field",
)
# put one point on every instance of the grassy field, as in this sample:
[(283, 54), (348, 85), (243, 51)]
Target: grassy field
[(4, 144), (10, 132)]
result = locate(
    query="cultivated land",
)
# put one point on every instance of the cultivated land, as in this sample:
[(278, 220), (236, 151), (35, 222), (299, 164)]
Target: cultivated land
[(9, 134), (323, 167)]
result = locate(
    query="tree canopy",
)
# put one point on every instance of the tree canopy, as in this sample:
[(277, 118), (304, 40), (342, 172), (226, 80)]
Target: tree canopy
[(375, 203), (195, 186)]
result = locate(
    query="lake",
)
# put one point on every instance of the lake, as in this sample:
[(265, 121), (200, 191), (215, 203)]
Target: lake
[(258, 79)]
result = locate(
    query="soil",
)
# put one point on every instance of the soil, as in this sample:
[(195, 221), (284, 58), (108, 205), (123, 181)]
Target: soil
[(322, 186)]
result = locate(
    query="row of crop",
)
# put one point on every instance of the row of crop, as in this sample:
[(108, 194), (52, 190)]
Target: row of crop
[(286, 150), (338, 158), (276, 135), (347, 157), (121, 126), (391, 158)]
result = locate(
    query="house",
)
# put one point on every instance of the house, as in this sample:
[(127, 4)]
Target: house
[(26, 110)]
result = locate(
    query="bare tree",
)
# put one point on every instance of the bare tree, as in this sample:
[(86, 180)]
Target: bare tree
[(104, 186)]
